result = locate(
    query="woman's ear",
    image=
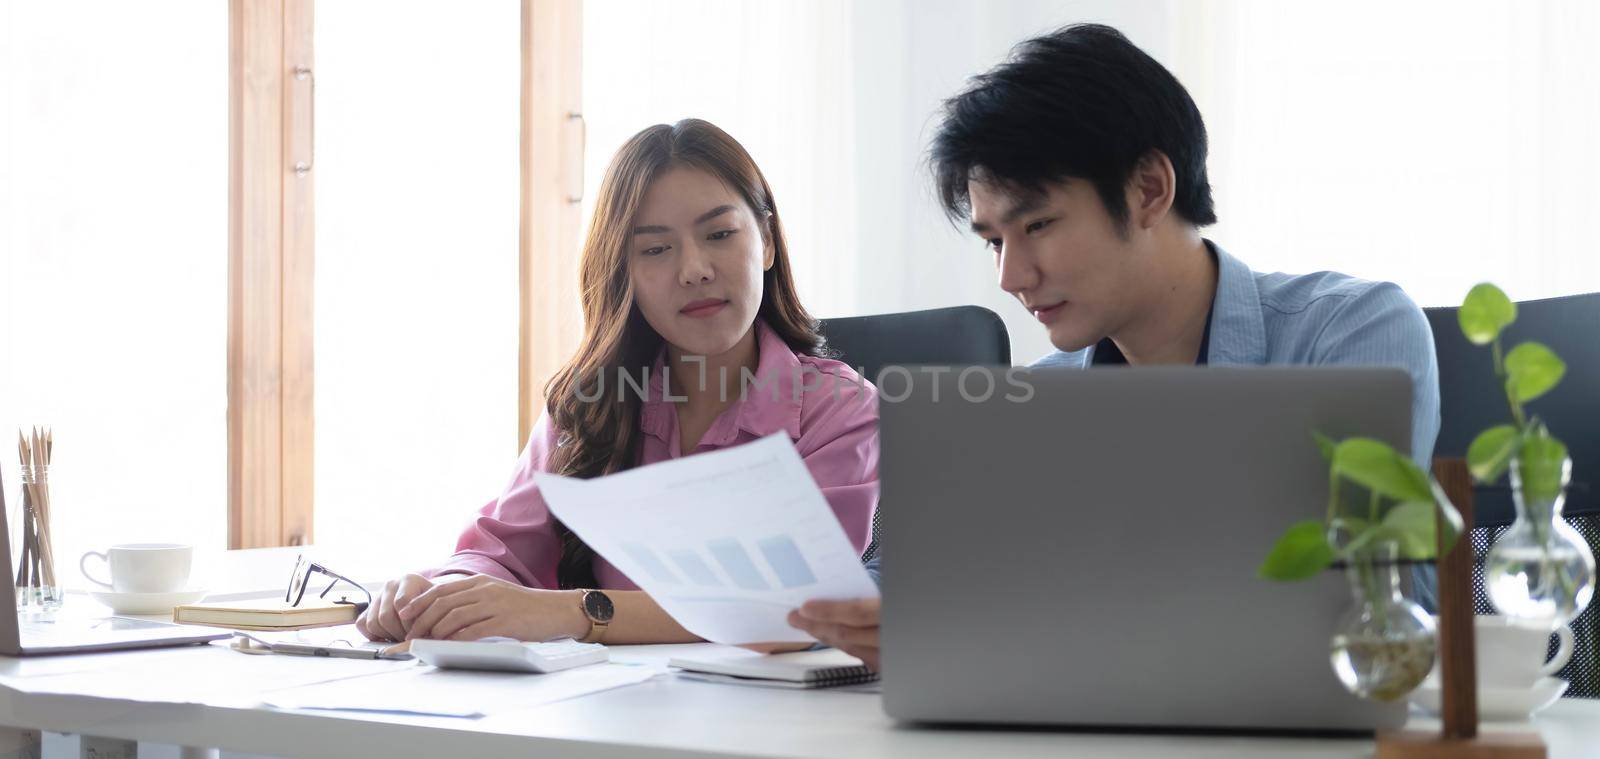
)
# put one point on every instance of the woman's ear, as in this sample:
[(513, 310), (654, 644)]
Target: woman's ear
[(770, 252)]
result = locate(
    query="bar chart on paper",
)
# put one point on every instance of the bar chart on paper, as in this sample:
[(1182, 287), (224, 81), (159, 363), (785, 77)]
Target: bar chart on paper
[(780, 558), (726, 542)]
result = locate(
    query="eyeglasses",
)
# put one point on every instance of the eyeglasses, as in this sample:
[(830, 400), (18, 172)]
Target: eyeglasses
[(302, 577)]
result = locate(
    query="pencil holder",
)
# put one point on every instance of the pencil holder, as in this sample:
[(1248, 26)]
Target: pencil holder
[(36, 582)]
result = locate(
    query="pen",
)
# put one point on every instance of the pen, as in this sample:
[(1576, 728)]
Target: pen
[(337, 652), (251, 644)]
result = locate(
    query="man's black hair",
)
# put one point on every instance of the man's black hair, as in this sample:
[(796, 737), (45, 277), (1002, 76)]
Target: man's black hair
[(1081, 102)]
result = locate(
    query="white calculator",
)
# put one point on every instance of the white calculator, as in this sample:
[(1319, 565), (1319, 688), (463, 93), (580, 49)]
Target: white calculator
[(509, 654)]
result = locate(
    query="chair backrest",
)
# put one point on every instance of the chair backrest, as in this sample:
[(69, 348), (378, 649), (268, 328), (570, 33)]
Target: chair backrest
[(1472, 399), (958, 336)]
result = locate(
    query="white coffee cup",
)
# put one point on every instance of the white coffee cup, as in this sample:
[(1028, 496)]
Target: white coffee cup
[(143, 567), (1511, 654)]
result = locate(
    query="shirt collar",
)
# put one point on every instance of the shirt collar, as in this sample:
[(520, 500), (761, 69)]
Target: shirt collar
[(1238, 330), (768, 405)]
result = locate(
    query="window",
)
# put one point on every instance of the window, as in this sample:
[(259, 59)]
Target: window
[(1437, 149), (159, 309), (113, 273), (416, 268)]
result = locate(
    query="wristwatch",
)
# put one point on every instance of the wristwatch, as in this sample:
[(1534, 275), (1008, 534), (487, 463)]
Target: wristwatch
[(597, 607)]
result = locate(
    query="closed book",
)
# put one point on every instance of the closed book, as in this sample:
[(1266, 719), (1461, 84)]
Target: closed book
[(264, 614), (801, 669)]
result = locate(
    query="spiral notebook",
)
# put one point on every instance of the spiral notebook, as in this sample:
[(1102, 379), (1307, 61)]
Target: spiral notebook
[(802, 669)]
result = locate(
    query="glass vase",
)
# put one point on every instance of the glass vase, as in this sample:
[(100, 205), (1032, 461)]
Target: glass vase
[(1540, 571), (1385, 644)]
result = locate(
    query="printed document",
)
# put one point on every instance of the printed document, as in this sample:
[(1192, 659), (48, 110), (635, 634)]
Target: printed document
[(727, 542)]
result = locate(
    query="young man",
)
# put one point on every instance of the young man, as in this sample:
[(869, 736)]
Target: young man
[(1081, 163)]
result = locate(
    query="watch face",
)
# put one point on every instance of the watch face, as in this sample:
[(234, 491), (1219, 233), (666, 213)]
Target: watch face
[(598, 606)]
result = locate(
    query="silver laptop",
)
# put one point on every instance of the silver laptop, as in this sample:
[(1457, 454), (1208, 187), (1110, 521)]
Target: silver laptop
[(1088, 556), (56, 633)]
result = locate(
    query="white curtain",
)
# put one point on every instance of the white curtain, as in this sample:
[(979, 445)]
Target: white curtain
[(778, 76), (1429, 143), (1436, 145)]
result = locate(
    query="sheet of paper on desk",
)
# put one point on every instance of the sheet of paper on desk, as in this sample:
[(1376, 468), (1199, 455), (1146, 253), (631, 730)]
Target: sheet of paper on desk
[(457, 693), (203, 674), (727, 542)]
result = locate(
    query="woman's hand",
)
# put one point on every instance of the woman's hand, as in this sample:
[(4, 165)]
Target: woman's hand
[(851, 626), (381, 620), (776, 648), (480, 606)]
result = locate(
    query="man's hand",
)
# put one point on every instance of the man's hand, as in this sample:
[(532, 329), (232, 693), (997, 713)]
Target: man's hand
[(851, 626), (381, 620), (480, 606)]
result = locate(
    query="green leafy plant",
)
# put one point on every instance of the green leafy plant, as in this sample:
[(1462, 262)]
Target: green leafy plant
[(1374, 494), (1528, 371), (1400, 499)]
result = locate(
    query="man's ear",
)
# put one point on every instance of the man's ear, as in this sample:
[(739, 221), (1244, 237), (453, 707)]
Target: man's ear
[(769, 243), (1151, 189)]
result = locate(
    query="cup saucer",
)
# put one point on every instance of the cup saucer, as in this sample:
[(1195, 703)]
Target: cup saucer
[(147, 603), (1498, 704)]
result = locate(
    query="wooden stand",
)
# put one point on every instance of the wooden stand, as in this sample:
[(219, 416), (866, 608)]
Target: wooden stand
[(1458, 672)]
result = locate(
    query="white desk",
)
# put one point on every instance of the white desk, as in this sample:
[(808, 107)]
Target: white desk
[(666, 716)]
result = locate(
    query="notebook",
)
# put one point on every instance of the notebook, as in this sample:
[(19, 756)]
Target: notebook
[(801, 669), (264, 614)]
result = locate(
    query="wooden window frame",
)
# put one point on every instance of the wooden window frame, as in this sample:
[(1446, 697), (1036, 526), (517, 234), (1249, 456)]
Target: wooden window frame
[(270, 270), (271, 237), (552, 197)]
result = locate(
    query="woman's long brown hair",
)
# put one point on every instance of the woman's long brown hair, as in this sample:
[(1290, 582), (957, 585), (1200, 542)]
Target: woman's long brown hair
[(601, 436)]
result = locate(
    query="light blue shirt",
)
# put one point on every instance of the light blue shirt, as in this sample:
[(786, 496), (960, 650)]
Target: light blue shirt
[(1322, 319)]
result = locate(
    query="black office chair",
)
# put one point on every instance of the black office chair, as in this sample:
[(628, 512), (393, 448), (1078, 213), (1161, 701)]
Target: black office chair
[(959, 336), (1473, 400)]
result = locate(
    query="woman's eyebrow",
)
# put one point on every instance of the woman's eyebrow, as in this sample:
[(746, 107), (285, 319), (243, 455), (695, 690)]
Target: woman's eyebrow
[(657, 229), (713, 213)]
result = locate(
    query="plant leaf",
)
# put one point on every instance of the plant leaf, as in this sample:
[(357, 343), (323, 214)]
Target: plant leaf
[(1532, 369), (1378, 532), (1351, 524), (1484, 313), (1344, 530), (1377, 466), (1362, 538), (1542, 461), (1411, 524), (1447, 510), (1325, 444), (1491, 451), (1302, 552)]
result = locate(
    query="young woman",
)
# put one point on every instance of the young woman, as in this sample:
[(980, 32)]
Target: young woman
[(687, 293)]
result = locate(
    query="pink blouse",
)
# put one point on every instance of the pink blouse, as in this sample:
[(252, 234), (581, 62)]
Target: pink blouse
[(826, 408)]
